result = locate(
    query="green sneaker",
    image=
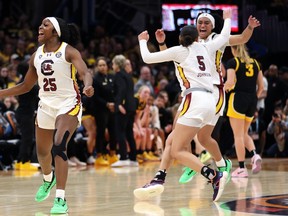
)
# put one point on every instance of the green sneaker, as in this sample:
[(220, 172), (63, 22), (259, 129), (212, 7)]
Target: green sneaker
[(227, 168), (44, 190), (59, 207), (187, 176)]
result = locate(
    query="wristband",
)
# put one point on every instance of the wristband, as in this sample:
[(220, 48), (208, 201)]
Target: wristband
[(161, 44)]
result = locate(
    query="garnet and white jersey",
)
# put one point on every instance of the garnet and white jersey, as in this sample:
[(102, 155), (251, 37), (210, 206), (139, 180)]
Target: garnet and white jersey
[(216, 58), (193, 63), (56, 78), (194, 71)]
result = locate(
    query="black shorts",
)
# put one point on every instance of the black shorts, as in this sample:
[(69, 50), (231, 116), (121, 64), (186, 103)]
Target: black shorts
[(242, 105)]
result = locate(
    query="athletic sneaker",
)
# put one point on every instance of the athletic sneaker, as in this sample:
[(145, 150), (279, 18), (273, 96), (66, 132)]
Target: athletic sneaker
[(227, 168), (187, 176), (256, 161), (121, 163), (44, 190), (153, 189), (240, 173), (59, 207), (205, 156), (218, 184)]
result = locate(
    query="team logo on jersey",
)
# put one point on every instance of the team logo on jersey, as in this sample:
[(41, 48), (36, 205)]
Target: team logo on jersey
[(46, 67), (58, 54)]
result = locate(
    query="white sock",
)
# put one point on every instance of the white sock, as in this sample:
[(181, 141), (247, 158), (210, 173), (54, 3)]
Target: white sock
[(48, 177), (60, 193), (221, 163)]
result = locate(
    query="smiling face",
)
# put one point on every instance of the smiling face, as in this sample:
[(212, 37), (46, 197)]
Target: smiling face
[(204, 27), (45, 31)]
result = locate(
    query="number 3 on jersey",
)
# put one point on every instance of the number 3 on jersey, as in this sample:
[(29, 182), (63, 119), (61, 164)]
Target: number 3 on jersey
[(250, 70)]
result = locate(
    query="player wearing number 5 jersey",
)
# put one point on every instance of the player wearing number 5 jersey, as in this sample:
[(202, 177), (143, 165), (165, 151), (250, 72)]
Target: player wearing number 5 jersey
[(198, 105), (54, 66), (243, 76)]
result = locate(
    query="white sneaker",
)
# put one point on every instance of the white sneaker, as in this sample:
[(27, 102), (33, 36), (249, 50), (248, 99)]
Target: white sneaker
[(77, 161), (121, 163), (71, 163), (90, 160), (134, 163), (150, 190)]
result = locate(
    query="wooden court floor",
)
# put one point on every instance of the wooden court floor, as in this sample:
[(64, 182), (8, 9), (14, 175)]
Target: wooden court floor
[(108, 192)]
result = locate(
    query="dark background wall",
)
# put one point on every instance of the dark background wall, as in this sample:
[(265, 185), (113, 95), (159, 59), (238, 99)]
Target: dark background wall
[(269, 42)]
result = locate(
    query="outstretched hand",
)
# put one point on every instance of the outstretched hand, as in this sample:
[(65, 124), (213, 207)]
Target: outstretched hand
[(253, 22), (143, 36)]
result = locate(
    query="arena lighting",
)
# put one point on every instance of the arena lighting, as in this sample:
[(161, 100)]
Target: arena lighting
[(175, 16)]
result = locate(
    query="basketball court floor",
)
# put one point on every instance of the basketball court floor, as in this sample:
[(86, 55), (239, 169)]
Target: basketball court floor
[(108, 191)]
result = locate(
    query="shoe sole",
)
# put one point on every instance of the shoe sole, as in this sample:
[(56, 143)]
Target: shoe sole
[(222, 184), (258, 166), (147, 193), (59, 212)]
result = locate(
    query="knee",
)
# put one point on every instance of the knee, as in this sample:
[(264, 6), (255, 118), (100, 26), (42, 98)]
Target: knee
[(59, 147)]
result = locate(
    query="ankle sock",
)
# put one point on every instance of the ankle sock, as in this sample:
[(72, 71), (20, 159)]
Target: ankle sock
[(60, 193), (48, 177), (241, 164)]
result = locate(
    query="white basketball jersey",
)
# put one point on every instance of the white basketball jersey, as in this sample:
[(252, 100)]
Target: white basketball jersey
[(216, 57), (56, 78), (195, 70)]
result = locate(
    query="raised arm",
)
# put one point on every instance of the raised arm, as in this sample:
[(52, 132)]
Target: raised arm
[(246, 34), (171, 54), (223, 37)]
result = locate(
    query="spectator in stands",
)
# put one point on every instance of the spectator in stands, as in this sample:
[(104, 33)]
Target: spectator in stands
[(165, 115), (104, 113), (25, 115), (279, 128), (144, 79), (275, 94), (5, 81), (257, 131), (125, 108)]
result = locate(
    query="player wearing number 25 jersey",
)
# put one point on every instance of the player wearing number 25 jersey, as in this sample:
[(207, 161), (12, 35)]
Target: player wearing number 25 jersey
[(56, 89)]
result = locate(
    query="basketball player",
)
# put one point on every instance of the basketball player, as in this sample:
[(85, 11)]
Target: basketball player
[(54, 66)]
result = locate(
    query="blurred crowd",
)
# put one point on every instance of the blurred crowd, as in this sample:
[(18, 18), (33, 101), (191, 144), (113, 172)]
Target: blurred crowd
[(155, 110)]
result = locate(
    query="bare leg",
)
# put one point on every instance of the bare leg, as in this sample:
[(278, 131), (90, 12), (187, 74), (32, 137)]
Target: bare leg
[(44, 142), (204, 137), (238, 131)]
